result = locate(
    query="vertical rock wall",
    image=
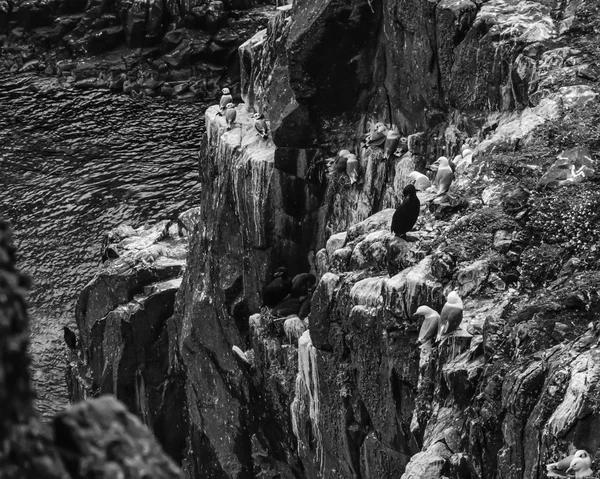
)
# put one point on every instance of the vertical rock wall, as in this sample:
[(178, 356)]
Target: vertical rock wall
[(93, 439)]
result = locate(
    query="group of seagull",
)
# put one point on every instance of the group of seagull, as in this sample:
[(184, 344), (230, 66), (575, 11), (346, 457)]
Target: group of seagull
[(227, 109), (436, 326)]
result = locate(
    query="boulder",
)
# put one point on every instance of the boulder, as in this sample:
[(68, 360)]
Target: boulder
[(572, 166)]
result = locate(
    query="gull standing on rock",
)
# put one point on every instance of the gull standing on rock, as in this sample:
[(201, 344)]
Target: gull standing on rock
[(444, 176), (352, 168), (261, 125), (230, 115), (391, 144), (225, 99), (451, 315), (420, 181), (578, 464), (407, 213), (378, 137), (430, 325), (339, 163)]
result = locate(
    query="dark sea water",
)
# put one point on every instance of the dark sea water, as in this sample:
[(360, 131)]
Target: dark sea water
[(74, 164)]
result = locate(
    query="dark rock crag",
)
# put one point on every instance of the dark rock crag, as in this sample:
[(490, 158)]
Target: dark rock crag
[(354, 396), (97, 438)]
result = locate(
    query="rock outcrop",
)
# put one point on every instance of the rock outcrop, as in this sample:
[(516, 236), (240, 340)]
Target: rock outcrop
[(99, 438), (488, 84), (126, 334)]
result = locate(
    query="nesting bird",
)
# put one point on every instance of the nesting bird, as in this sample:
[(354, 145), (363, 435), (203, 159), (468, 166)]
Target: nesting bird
[(289, 306), (352, 168), (578, 464), (390, 146), (402, 147), (261, 125), (420, 181), (339, 163), (305, 304), (407, 213), (278, 289), (377, 138), (429, 328), (230, 115), (451, 315), (444, 176), (302, 284), (225, 99)]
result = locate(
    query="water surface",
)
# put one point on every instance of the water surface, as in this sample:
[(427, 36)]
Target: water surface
[(74, 164)]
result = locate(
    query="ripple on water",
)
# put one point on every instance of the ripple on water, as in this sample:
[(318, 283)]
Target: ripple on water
[(74, 164)]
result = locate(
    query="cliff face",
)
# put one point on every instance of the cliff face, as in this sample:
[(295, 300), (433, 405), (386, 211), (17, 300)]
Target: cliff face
[(99, 438), (353, 395)]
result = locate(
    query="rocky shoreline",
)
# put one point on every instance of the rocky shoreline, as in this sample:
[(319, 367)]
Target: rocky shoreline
[(185, 53), (516, 236)]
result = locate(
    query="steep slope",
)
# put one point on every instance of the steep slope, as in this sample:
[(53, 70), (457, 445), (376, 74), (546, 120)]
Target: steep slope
[(516, 237)]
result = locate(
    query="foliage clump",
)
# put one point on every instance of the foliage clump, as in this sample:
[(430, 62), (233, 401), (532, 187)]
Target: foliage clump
[(540, 265)]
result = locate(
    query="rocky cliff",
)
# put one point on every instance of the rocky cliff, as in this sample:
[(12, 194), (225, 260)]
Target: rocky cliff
[(99, 438), (349, 393)]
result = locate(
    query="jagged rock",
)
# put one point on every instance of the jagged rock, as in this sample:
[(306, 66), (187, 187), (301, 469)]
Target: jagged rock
[(571, 167), (503, 240), (335, 242), (431, 463), (91, 438), (102, 437), (472, 277)]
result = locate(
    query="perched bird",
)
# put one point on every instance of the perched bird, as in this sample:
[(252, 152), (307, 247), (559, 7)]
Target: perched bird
[(451, 315), (289, 306), (429, 328), (261, 125), (276, 291), (339, 163), (230, 115), (70, 338), (407, 213), (352, 168), (420, 181), (578, 464), (443, 177), (302, 283), (241, 355), (436, 164), (402, 147), (226, 98), (305, 305), (390, 146), (377, 138)]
